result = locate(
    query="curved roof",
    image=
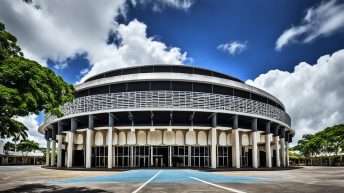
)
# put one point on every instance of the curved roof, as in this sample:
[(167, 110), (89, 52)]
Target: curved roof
[(162, 68), (163, 72), (172, 76)]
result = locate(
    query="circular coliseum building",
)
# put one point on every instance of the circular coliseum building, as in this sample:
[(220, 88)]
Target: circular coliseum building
[(168, 116)]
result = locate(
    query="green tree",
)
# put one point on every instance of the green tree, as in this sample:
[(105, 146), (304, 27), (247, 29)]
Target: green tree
[(26, 146), (306, 146), (293, 155), (13, 129), (302, 145), (9, 146), (328, 142), (26, 87), (332, 139), (336, 138)]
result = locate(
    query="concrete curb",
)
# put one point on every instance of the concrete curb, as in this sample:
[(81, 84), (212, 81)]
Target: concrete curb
[(181, 168)]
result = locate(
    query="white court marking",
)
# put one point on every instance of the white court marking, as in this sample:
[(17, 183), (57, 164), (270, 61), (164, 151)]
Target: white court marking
[(226, 188), (138, 189)]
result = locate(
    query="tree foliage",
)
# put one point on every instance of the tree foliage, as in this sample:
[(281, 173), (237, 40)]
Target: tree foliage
[(329, 141), (26, 87), (9, 146), (27, 146), (293, 155)]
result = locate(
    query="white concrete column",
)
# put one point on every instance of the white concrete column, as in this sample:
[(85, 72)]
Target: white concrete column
[(282, 141), (268, 145), (170, 157), (213, 147), (268, 150), (287, 152), (151, 155), (278, 163), (53, 144), (110, 157), (59, 150), (254, 144), (53, 150), (131, 156), (235, 144), (59, 138), (213, 141), (110, 133), (254, 150), (189, 155), (236, 148), (89, 142), (70, 149), (47, 154)]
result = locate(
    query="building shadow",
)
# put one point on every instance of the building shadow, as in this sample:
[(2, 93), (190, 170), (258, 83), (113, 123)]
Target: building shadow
[(51, 188)]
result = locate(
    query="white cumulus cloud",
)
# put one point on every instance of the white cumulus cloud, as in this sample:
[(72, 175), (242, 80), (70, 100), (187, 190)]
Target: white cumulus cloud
[(159, 5), (312, 94), (60, 30), (321, 20), (235, 47), (135, 48), (32, 124)]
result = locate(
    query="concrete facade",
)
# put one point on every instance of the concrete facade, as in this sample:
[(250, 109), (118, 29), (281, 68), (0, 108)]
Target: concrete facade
[(172, 128)]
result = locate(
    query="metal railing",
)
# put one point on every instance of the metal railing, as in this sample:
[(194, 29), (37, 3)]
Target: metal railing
[(171, 100)]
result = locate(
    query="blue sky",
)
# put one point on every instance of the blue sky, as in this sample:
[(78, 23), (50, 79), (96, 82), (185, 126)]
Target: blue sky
[(291, 49), (206, 24)]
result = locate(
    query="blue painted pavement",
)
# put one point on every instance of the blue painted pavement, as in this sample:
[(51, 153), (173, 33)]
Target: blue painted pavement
[(166, 176)]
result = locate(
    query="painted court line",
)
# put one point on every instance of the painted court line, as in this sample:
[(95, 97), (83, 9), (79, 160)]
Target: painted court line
[(230, 189), (138, 189)]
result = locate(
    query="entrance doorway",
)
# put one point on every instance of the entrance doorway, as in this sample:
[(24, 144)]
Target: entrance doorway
[(99, 156), (141, 156), (180, 157), (273, 159), (78, 158), (63, 164), (262, 157), (160, 156)]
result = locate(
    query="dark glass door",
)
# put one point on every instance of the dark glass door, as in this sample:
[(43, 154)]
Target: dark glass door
[(160, 156), (79, 158), (262, 158)]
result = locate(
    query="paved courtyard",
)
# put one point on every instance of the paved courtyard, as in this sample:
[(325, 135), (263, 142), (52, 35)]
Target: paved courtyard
[(37, 179)]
